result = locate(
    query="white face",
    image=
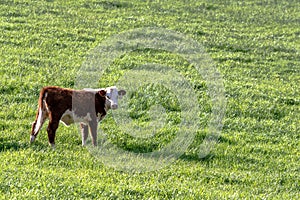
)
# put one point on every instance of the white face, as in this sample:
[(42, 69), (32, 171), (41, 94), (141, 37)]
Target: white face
[(112, 94)]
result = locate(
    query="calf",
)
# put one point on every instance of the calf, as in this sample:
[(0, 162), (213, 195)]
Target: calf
[(69, 106)]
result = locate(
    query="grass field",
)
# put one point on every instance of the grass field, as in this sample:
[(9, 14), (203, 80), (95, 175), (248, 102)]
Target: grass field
[(255, 46)]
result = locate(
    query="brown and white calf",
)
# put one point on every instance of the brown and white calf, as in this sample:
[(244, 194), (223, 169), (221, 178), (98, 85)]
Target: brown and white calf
[(69, 106)]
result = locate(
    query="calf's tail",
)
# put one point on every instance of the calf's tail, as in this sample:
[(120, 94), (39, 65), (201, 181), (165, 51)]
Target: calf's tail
[(41, 116)]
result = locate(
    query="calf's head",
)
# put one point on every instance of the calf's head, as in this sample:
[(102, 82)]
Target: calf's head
[(113, 94)]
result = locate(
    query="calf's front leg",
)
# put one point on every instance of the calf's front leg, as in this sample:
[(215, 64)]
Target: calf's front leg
[(84, 133), (93, 131)]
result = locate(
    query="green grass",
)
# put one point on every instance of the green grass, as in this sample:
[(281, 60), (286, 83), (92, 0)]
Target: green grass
[(255, 46)]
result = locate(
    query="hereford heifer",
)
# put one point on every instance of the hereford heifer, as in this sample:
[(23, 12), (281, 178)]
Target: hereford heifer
[(69, 106)]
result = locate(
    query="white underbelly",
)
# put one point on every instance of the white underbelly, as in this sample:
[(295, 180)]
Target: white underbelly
[(69, 117)]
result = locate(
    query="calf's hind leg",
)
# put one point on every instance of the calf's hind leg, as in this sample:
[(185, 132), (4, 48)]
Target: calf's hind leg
[(52, 126)]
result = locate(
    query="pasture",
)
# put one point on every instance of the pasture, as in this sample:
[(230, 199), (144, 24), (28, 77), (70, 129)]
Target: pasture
[(255, 46)]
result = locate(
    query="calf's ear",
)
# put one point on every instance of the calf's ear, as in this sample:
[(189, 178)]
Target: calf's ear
[(102, 93), (121, 93)]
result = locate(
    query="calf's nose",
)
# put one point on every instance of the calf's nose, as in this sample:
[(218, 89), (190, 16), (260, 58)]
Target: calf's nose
[(114, 106)]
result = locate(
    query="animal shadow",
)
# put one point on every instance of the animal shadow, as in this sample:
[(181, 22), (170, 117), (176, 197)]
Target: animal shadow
[(10, 145)]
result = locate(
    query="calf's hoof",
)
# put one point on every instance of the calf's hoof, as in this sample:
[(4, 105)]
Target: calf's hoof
[(52, 145), (32, 138)]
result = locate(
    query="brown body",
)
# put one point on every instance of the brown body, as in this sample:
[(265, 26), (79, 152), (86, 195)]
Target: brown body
[(69, 106)]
